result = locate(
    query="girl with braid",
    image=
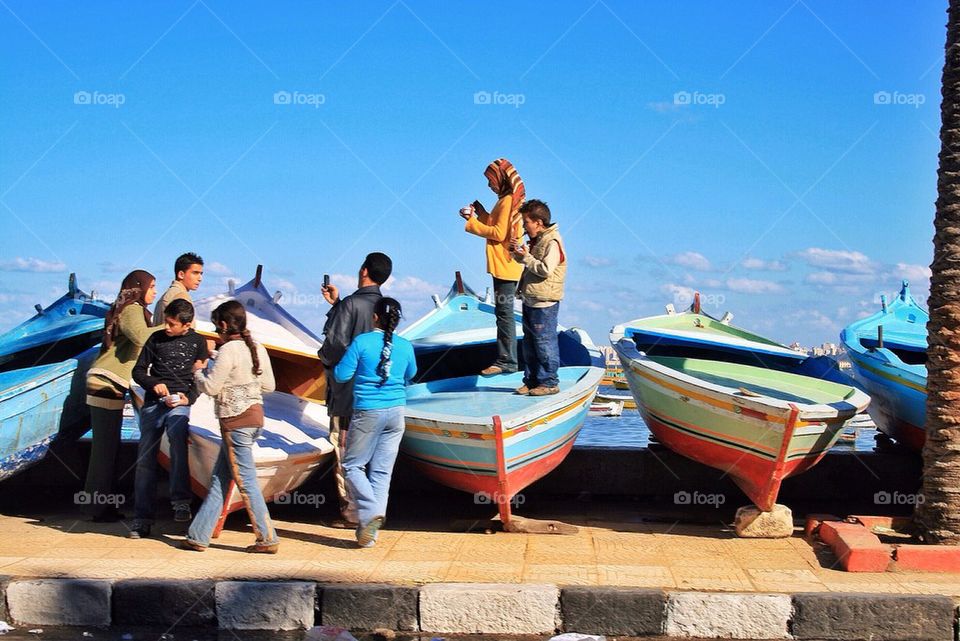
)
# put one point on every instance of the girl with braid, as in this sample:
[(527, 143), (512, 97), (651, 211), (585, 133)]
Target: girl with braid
[(236, 380), (380, 363)]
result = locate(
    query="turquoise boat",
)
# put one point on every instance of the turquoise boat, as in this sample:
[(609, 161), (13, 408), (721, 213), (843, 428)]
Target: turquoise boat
[(68, 326), (38, 405), (888, 351)]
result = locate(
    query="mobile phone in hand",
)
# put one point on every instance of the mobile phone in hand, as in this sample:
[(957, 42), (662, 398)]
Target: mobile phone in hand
[(478, 207), (326, 280)]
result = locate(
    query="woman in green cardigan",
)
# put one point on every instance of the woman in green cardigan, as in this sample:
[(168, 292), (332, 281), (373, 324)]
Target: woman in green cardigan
[(126, 329)]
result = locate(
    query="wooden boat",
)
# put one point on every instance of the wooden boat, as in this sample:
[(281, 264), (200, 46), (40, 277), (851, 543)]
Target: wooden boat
[(68, 326), (291, 345), (38, 405), (474, 434), (758, 424), (606, 408), (888, 351), (626, 399), (458, 337), (293, 444)]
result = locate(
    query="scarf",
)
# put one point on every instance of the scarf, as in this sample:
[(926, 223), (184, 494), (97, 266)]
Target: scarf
[(506, 180), (132, 290)]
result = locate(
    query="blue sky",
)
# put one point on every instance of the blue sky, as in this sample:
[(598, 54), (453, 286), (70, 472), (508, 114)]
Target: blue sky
[(778, 156)]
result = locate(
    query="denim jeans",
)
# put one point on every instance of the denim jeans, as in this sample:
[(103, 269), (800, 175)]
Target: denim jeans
[(541, 351), (372, 446), (235, 463), (156, 418), (504, 293)]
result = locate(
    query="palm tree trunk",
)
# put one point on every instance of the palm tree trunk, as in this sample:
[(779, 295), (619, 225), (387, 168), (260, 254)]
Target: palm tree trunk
[(938, 516)]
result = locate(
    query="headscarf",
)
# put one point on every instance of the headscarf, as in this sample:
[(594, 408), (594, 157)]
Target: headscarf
[(506, 180), (132, 290)]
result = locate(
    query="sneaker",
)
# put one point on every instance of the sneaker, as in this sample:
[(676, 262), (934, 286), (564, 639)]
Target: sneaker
[(181, 513), (543, 390), (493, 370), (367, 534), (140, 530), (523, 390)]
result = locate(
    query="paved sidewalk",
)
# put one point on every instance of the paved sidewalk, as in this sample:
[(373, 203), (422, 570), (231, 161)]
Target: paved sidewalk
[(604, 553)]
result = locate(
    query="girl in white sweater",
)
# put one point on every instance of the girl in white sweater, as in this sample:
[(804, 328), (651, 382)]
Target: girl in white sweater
[(236, 380)]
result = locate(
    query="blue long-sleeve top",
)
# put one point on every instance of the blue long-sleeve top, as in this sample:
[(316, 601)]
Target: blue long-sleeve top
[(360, 364)]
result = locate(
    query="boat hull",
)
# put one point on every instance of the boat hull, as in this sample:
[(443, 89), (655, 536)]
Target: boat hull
[(496, 457), (898, 405)]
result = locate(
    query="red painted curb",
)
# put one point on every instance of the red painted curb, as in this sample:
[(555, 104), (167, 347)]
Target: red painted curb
[(814, 521), (928, 558), (857, 549)]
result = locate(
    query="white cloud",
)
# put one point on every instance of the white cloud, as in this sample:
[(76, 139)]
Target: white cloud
[(760, 265), (850, 262), (19, 264), (219, 269), (751, 286), (691, 260), (821, 278), (412, 287), (913, 273), (597, 261)]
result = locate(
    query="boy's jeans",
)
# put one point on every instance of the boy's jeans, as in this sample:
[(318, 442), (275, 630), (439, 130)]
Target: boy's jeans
[(504, 293), (156, 418), (541, 352), (235, 463), (372, 445)]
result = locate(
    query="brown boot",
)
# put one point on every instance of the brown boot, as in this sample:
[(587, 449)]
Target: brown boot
[(263, 548)]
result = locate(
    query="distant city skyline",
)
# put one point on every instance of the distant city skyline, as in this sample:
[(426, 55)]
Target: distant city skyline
[(779, 157)]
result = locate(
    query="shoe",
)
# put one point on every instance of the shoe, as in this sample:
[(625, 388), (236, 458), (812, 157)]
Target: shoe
[(493, 370), (263, 548), (182, 514), (108, 515), (344, 524), (140, 530), (542, 390), (367, 534), (523, 390), (187, 544)]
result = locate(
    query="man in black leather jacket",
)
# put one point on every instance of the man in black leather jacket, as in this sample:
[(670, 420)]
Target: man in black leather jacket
[(347, 319)]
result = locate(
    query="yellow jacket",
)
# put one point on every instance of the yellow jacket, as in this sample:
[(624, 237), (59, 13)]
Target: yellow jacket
[(495, 227)]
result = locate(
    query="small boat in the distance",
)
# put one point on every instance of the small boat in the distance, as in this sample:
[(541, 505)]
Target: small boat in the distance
[(606, 408), (68, 326), (888, 351), (291, 345)]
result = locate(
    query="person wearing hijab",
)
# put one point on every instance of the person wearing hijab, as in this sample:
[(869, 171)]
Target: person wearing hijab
[(126, 328), (499, 228)]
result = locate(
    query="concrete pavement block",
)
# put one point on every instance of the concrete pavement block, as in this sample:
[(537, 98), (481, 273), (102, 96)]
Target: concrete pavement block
[(877, 617), (4, 614), (265, 605), (60, 602), (489, 608), (729, 616), (614, 611), (164, 602), (370, 606)]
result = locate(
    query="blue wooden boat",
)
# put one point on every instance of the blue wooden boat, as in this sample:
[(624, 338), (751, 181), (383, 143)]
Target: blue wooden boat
[(474, 434), (40, 404), (458, 337), (889, 354), (70, 325)]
